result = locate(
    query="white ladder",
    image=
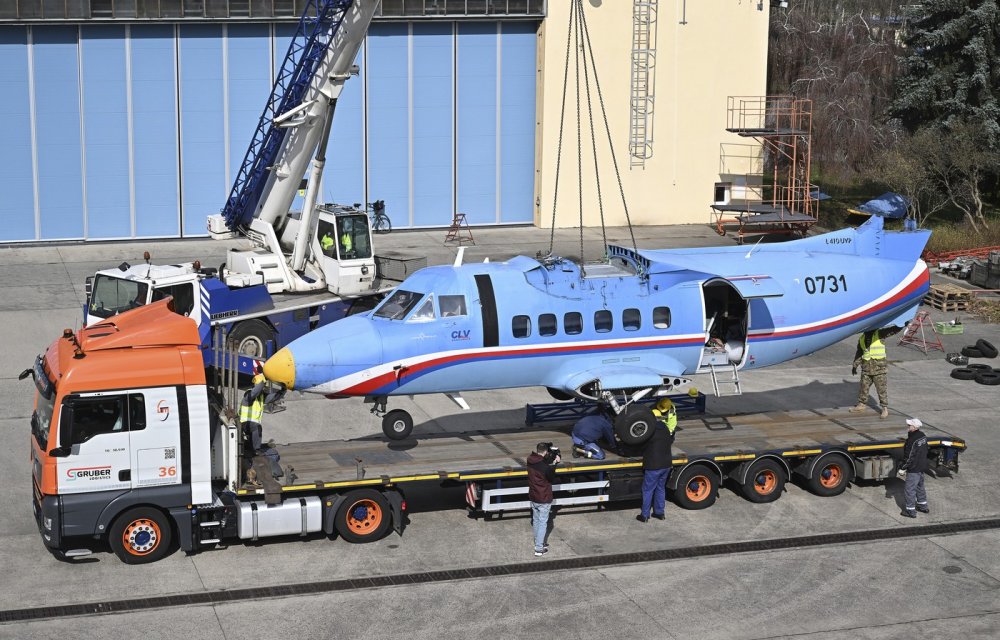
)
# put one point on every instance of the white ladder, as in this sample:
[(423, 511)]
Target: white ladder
[(734, 380)]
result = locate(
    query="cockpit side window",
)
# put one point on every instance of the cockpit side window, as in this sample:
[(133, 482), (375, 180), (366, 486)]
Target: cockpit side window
[(400, 303), (425, 312), (452, 306)]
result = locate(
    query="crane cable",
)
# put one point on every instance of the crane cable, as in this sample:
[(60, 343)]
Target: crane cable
[(578, 34)]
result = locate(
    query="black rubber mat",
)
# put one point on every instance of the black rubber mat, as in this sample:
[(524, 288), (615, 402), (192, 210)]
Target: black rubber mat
[(537, 566)]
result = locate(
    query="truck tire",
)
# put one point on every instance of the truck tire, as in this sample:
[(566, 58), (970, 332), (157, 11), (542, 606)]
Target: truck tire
[(140, 535), (971, 352), (697, 487), (251, 338), (764, 482), (397, 424), (979, 367), (989, 378), (831, 475), (635, 426), (364, 516), (986, 348), (964, 373)]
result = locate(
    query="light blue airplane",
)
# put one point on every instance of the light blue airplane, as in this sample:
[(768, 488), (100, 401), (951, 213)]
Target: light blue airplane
[(612, 333)]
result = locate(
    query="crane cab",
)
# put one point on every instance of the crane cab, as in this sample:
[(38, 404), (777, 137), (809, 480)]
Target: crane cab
[(343, 247)]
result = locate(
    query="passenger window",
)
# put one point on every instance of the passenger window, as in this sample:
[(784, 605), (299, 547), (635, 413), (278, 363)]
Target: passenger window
[(661, 317), (573, 323), (425, 312), (94, 416), (603, 321), (183, 295), (452, 306), (136, 412), (547, 324), (631, 319), (521, 326)]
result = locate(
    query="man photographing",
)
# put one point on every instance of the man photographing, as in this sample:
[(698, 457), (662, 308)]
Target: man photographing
[(541, 475)]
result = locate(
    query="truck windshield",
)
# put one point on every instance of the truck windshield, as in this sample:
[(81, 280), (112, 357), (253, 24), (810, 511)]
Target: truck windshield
[(398, 304), (111, 296), (352, 234), (45, 398)]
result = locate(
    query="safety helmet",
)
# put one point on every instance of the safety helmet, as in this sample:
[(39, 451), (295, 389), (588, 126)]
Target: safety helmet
[(665, 404), (693, 392)]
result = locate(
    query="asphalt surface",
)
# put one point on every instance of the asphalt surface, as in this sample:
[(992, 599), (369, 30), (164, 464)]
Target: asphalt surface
[(915, 586)]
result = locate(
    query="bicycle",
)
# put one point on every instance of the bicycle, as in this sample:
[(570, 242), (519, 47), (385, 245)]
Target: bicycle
[(379, 220)]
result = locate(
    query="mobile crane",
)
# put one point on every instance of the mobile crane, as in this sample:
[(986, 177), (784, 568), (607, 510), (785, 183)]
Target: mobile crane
[(324, 251)]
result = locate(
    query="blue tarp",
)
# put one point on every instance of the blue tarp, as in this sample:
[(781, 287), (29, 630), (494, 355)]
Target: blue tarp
[(816, 194), (888, 205)]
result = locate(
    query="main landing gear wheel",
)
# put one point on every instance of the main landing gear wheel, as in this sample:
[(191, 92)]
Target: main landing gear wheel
[(831, 475), (140, 535), (697, 487), (364, 516), (397, 424), (635, 426), (764, 482)]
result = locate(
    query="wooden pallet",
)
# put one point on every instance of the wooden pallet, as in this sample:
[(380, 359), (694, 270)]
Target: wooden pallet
[(948, 297)]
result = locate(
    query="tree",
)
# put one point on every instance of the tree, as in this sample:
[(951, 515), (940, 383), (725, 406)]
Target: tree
[(951, 73), (904, 168), (958, 163)]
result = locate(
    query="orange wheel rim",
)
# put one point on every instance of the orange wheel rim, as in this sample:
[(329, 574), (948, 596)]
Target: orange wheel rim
[(697, 488), (364, 516), (141, 537), (831, 475), (765, 482)]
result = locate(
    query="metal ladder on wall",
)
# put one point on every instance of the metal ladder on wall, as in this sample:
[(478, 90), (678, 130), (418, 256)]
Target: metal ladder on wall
[(321, 19), (734, 380), (641, 87)]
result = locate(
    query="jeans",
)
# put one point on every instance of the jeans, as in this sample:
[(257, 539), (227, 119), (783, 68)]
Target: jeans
[(540, 522), (914, 492), (590, 446), (654, 490)]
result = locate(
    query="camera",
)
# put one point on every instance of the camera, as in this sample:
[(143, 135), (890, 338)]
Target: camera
[(551, 453)]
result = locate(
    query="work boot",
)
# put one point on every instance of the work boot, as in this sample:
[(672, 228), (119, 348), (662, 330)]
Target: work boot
[(858, 408), (885, 413), (906, 513), (641, 518), (923, 508)]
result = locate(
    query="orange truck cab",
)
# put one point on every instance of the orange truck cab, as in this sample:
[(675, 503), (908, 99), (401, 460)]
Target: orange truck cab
[(121, 433)]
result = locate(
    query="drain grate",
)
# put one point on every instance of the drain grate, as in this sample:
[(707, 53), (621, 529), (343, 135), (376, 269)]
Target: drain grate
[(588, 562)]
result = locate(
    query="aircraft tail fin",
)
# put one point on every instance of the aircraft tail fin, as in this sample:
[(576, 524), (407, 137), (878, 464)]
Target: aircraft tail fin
[(871, 239)]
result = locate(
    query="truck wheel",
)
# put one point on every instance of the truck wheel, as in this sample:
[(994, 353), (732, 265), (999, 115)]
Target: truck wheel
[(251, 338), (397, 424), (635, 426), (764, 482), (140, 535), (831, 475), (364, 516), (697, 487)]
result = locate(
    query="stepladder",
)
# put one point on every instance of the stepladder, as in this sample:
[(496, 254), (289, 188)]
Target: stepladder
[(459, 231)]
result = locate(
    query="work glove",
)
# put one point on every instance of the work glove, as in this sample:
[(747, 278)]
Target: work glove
[(901, 474)]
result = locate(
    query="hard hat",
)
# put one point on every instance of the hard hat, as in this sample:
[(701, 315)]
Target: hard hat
[(665, 404), (693, 392)]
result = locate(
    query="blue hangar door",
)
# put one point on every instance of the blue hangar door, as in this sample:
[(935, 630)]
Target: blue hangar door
[(136, 131)]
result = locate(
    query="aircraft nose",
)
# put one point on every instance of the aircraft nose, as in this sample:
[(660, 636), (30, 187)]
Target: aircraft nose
[(281, 368)]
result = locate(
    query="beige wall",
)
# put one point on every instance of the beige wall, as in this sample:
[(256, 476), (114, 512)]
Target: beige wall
[(721, 51)]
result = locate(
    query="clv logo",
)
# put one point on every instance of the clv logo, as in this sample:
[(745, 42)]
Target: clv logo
[(462, 334)]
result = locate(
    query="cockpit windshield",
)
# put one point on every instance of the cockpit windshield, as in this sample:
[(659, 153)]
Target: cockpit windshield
[(398, 304), (111, 296)]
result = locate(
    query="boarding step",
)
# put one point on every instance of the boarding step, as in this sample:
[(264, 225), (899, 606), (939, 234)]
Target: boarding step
[(717, 383)]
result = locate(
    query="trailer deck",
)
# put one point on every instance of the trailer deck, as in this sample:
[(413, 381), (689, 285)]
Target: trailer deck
[(479, 455)]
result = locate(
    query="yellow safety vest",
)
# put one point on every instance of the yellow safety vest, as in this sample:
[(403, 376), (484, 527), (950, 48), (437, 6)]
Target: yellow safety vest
[(252, 412), (345, 241), (670, 420), (874, 351)]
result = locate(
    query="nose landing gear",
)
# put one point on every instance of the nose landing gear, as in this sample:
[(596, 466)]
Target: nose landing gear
[(396, 424)]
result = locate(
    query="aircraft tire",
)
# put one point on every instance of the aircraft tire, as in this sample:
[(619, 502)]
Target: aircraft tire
[(987, 349), (991, 378), (979, 367), (764, 482), (964, 373), (635, 426), (397, 424), (364, 516), (971, 352), (697, 487)]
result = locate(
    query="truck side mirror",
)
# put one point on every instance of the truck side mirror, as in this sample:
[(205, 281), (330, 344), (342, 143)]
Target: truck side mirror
[(89, 286), (24, 374)]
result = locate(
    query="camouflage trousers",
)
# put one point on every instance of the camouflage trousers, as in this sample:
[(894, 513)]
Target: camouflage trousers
[(879, 376)]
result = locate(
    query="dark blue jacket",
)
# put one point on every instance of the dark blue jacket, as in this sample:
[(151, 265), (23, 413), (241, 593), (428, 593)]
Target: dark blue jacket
[(594, 428)]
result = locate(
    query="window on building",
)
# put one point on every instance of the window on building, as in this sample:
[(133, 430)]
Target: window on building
[(547, 324), (661, 317), (603, 321), (452, 306), (631, 319), (573, 323), (521, 326)]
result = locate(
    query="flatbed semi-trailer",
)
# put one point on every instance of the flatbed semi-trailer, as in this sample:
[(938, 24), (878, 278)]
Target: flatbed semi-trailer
[(132, 447)]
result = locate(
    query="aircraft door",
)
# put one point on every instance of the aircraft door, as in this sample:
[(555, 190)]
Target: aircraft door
[(488, 311), (727, 316)]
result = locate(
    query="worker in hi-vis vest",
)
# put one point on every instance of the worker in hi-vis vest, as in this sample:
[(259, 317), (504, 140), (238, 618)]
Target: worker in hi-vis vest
[(870, 356), (657, 459), (326, 243)]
